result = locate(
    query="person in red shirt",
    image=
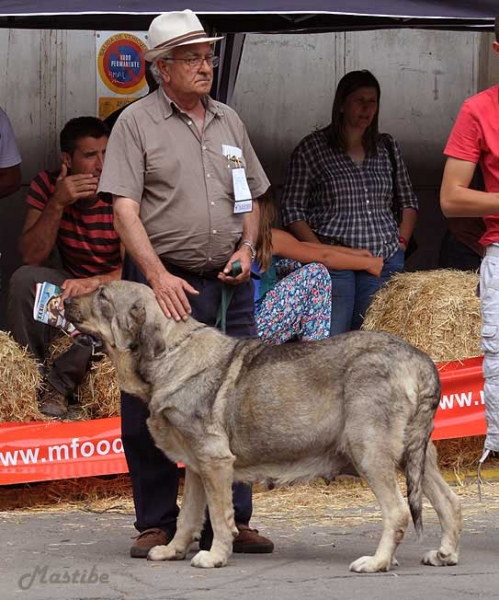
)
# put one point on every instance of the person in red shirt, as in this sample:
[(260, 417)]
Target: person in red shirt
[(474, 140), (68, 239)]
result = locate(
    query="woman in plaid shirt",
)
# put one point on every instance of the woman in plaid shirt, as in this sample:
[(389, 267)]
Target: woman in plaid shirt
[(347, 185)]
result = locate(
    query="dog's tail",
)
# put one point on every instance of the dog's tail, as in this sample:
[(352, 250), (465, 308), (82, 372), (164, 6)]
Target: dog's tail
[(418, 435)]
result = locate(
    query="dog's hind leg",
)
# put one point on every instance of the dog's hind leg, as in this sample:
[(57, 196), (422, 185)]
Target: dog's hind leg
[(189, 522), (448, 509), (379, 472), (217, 476)]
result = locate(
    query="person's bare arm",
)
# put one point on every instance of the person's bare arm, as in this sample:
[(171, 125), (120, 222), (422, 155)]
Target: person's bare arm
[(345, 249), (40, 227), (10, 180), (406, 228), (456, 197), (243, 253), (36, 243), (287, 246), (171, 291), (302, 231)]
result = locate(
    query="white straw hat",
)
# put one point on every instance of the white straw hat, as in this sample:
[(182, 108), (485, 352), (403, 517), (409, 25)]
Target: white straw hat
[(172, 29)]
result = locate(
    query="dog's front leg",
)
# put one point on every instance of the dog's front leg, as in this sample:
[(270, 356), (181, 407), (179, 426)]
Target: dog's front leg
[(217, 475), (189, 522)]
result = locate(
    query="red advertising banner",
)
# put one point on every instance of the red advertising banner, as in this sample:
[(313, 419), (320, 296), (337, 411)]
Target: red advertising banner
[(43, 451), (461, 412)]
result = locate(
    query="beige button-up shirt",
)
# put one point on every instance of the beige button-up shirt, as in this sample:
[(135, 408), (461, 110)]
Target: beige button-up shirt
[(157, 157)]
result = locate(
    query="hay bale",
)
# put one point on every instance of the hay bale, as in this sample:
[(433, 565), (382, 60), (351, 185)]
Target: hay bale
[(19, 381), (436, 311), (98, 396), (60, 343), (461, 455), (109, 493)]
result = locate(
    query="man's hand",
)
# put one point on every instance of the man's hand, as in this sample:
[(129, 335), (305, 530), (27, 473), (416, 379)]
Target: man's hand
[(171, 294), (71, 188), (243, 255), (76, 287)]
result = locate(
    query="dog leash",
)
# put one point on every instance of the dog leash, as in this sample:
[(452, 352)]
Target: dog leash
[(227, 293)]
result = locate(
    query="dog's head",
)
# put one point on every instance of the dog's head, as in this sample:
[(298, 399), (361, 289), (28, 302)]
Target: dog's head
[(123, 315)]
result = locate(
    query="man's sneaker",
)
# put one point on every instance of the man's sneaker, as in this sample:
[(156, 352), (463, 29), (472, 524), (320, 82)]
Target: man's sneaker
[(148, 539), (247, 542), (53, 403)]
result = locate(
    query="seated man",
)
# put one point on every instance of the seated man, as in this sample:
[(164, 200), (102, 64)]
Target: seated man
[(65, 217)]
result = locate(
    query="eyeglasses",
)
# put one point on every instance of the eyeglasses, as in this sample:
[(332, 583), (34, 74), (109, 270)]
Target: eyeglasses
[(194, 62)]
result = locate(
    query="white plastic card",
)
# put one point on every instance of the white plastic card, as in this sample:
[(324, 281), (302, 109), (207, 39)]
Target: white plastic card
[(241, 187)]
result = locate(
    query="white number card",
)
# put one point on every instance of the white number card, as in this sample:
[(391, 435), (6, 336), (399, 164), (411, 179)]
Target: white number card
[(242, 193)]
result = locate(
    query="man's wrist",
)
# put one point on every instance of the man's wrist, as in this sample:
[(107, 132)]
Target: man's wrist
[(57, 203), (250, 246)]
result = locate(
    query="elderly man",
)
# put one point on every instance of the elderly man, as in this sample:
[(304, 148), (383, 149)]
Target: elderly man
[(68, 239), (185, 182)]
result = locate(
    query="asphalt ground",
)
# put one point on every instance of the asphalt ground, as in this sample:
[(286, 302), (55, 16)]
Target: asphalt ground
[(68, 553)]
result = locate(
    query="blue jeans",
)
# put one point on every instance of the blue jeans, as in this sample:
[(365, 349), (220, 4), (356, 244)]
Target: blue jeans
[(353, 290)]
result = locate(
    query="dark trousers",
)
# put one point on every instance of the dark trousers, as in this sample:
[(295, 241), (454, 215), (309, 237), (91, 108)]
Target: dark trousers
[(154, 477), (70, 367)]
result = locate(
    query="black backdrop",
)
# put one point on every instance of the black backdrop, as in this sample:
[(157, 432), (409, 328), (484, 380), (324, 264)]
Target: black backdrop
[(253, 15)]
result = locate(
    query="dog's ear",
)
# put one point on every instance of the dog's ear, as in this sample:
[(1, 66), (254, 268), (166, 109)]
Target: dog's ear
[(127, 328), (151, 340)]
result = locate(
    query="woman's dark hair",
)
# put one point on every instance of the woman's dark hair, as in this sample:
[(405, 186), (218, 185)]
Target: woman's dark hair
[(349, 83)]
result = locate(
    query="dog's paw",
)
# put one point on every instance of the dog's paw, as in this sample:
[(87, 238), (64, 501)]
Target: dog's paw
[(205, 559), (165, 553), (369, 564), (435, 558), (395, 562)]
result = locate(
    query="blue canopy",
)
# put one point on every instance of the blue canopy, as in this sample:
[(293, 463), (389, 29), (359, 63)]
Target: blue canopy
[(254, 15)]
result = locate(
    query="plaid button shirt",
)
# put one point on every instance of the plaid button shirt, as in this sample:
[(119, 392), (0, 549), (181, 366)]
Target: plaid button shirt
[(345, 203)]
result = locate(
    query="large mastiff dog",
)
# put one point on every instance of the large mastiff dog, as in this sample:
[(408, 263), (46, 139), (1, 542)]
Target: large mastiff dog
[(236, 409)]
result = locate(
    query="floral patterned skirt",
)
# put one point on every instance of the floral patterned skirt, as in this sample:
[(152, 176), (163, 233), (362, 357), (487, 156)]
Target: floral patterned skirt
[(299, 306)]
